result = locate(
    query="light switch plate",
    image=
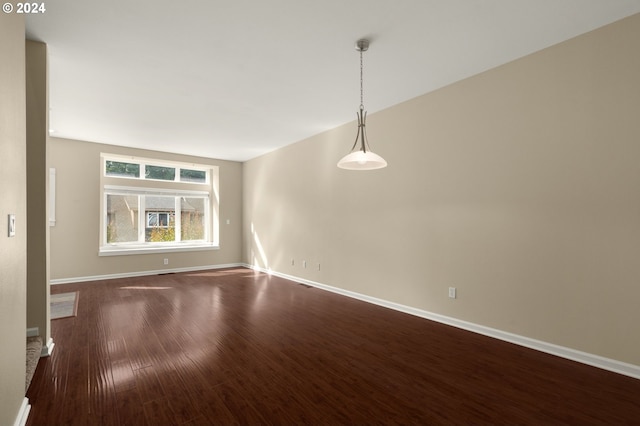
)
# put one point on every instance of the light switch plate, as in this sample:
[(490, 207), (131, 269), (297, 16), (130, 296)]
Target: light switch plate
[(12, 225)]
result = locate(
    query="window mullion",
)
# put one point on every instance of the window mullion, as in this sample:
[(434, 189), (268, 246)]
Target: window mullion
[(207, 223), (178, 218), (142, 218), (105, 218)]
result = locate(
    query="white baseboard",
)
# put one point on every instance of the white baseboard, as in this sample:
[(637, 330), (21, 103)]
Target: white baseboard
[(23, 414), (47, 349), (140, 273), (626, 369)]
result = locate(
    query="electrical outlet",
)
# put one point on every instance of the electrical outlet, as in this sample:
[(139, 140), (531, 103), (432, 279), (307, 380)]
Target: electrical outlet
[(304, 263), (166, 261), (318, 266), (452, 292)]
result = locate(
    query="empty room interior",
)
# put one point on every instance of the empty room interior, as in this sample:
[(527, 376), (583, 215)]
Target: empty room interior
[(189, 172)]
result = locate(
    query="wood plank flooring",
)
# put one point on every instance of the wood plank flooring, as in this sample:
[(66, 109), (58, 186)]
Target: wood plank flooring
[(237, 347)]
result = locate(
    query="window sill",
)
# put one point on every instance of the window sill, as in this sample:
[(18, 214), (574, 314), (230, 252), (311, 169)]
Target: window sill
[(133, 250)]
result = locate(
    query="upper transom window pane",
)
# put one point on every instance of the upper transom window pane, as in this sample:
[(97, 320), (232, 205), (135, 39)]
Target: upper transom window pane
[(188, 175), (160, 173), (121, 169)]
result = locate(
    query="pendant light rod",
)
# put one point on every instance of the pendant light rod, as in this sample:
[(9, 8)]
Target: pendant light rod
[(362, 45)]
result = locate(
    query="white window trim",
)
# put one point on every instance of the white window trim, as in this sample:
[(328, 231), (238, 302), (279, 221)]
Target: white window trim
[(169, 248)]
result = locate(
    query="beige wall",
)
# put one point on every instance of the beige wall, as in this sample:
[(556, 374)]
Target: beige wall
[(75, 236), (13, 258), (519, 186), (37, 178)]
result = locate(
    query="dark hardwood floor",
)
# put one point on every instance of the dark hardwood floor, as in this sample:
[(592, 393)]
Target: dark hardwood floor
[(238, 347)]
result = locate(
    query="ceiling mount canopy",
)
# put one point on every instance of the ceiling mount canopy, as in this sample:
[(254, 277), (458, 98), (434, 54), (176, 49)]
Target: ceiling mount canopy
[(361, 157)]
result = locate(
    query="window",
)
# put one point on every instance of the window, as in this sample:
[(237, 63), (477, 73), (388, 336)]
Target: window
[(150, 206), (158, 220)]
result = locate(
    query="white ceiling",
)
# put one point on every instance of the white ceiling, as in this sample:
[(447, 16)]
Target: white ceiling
[(234, 79)]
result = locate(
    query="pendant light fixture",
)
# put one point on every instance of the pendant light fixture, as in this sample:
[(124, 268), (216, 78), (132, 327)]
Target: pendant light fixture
[(361, 157)]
